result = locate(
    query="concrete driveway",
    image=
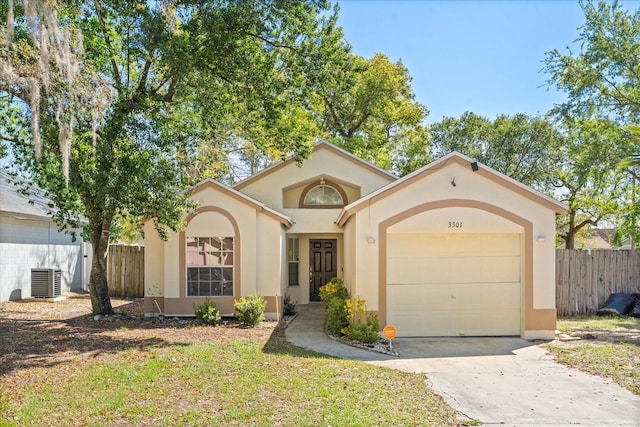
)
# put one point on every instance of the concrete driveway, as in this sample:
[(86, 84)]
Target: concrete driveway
[(498, 381), (515, 382)]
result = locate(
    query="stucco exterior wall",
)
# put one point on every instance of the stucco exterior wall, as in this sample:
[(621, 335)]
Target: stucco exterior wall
[(258, 252), (313, 220), (323, 162), (472, 186), (27, 244)]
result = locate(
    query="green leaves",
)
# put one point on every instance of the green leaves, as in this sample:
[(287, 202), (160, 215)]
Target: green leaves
[(526, 149), (368, 106), (603, 78)]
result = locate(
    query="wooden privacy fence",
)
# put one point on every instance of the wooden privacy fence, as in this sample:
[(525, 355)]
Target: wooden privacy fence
[(585, 279), (125, 271)]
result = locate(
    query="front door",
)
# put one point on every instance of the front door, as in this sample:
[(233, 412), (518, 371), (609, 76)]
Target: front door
[(322, 265)]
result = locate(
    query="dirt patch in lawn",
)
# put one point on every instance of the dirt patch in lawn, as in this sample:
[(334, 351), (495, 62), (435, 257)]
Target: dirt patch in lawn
[(35, 333), (609, 348)]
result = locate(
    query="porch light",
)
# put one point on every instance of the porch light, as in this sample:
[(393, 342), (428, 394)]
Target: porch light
[(540, 238), (371, 239)]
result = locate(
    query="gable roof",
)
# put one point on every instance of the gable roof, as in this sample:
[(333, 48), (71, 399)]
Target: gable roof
[(453, 157), (259, 206), (321, 145), (21, 199)]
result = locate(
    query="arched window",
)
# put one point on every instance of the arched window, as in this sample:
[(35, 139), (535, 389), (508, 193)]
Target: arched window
[(323, 195)]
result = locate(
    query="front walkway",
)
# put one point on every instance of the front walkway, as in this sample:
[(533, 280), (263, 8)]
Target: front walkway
[(499, 381)]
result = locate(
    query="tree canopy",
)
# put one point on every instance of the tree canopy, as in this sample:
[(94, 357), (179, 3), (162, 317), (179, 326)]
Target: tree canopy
[(601, 81), (119, 93)]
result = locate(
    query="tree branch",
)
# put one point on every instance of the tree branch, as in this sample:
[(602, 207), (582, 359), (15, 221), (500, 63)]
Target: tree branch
[(10, 139), (107, 40), (583, 224), (269, 42), (143, 78)]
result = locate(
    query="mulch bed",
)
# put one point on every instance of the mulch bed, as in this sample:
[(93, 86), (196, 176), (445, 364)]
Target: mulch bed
[(34, 333)]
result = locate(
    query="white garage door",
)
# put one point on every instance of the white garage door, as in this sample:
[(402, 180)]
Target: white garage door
[(454, 284)]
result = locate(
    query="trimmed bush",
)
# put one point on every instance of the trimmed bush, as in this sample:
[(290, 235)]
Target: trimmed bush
[(366, 332), (250, 310), (289, 306), (333, 289), (207, 313), (336, 315)]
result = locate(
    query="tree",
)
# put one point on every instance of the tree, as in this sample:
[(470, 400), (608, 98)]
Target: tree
[(601, 81), (588, 181), (112, 87), (367, 106), (526, 149)]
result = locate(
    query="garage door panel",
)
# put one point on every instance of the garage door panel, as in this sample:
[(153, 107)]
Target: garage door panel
[(456, 245), (468, 285), (418, 269), (457, 296)]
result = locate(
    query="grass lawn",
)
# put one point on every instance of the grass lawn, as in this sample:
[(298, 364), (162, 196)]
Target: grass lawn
[(238, 379), (609, 347)]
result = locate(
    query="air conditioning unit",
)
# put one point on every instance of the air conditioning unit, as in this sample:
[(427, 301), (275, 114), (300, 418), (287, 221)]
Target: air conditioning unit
[(46, 283)]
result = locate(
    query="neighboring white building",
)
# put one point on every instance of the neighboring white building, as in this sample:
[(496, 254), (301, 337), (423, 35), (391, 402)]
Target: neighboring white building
[(30, 239), (453, 249)]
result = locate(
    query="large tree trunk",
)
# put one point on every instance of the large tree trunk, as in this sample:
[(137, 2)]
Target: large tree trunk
[(98, 287)]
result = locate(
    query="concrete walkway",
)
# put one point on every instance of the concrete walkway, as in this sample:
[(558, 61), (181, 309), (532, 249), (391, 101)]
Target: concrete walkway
[(498, 381)]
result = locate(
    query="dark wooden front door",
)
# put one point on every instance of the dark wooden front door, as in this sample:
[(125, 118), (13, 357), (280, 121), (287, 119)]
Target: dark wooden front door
[(322, 266)]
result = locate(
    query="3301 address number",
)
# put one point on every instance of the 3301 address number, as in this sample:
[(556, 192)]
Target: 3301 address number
[(455, 224)]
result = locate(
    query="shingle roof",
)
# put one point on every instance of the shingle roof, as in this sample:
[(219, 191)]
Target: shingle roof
[(20, 198)]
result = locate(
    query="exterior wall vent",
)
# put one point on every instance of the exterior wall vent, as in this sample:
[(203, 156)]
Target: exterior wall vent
[(46, 283)]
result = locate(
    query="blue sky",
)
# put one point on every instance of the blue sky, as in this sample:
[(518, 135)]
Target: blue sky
[(480, 56)]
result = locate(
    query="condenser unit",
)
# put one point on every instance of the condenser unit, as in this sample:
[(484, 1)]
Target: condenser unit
[(46, 283)]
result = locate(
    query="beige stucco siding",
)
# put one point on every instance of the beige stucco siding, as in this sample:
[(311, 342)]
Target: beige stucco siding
[(478, 203), (313, 220), (257, 251), (153, 262), (323, 163), (269, 253)]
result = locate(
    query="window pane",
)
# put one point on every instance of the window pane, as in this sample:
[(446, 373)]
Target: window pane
[(227, 274), (192, 288), (228, 244), (203, 244), (192, 274), (214, 258), (323, 195), (216, 288), (227, 289), (216, 243), (204, 289), (227, 258), (293, 274), (192, 251)]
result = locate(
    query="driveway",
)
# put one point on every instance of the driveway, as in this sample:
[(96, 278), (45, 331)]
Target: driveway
[(498, 381)]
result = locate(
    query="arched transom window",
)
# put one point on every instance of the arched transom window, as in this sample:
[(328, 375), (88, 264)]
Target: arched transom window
[(323, 195)]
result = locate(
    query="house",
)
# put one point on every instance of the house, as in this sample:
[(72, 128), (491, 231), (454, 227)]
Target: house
[(452, 249), (29, 239), (601, 238)]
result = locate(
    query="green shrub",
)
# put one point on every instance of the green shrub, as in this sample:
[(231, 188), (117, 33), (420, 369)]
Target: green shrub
[(207, 313), (250, 310), (289, 306), (334, 288), (336, 315), (366, 332)]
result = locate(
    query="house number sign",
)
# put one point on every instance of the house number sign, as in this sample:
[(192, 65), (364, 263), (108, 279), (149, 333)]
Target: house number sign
[(455, 224)]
